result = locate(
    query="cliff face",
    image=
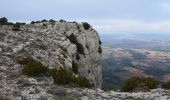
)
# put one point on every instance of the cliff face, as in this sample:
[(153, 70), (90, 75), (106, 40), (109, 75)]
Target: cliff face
[(54, 44)]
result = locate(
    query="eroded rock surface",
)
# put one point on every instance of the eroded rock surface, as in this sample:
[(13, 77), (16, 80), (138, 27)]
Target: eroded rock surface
[(55, 45)]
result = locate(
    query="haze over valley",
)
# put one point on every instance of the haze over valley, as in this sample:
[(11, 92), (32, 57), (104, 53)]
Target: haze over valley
[(138, 54)]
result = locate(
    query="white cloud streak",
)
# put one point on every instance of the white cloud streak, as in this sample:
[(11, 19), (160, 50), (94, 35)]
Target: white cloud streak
[(129, 25)]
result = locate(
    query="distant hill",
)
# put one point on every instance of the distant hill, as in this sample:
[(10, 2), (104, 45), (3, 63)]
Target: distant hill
[(151, 41), (120, 64)]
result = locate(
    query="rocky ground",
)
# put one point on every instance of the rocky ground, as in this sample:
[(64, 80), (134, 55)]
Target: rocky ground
[(63, 93), (55, 45)]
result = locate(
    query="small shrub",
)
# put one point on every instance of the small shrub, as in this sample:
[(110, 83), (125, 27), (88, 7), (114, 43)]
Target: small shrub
[(82, 81), (100, 42), (20, 23), (166, 85), (61, 20), (16, 27), (37, 21), (51, 20), (3, 21), (77, 56), (44, 20), (33, 22), (33, 67), (86, 25), (10, 23), (100, 49), (44, 25), (62, 76), (141, 83), (75, 67), (66, 77)]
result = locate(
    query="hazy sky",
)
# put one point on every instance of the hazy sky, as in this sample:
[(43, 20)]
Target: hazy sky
[(107, 16)]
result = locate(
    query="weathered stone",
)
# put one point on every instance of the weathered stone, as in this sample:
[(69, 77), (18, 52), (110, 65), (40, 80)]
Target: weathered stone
[(50, 45)]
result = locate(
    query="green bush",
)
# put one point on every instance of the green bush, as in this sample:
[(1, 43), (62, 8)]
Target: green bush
[(51, 20), (82, 81), (142, 83), (44, 20), (61, 20), (32, 67), (66, 77), (62, 76), (3, 21), (32, 22), (166, 85), (86, 25), (16, 27)]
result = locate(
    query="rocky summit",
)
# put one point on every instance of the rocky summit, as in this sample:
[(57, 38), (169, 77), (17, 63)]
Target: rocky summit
[(55, 44)]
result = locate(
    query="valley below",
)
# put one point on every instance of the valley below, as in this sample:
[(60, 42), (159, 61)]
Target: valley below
[(125, 57)]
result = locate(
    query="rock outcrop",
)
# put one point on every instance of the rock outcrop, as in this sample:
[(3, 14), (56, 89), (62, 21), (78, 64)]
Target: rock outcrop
[(54, 44)]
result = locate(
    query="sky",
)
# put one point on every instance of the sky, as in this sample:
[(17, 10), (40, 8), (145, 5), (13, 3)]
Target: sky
[(106, 16)]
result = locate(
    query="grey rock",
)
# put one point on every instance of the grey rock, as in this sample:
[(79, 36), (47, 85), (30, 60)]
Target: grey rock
[(52, 47)]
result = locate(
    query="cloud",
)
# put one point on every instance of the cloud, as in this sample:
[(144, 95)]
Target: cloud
[(129, 25), (165, 7)]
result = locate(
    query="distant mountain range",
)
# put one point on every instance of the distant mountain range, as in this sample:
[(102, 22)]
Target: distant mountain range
[(149, 41)]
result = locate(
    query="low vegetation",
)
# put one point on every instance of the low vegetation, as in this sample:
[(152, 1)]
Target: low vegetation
[(100, 43), (139, 84), (32, 67), (61, 20), (44, 20), (166, 85), (16, 27), (3, 21), (61, 76), (66, 77), (86, 25), (82, 81)]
